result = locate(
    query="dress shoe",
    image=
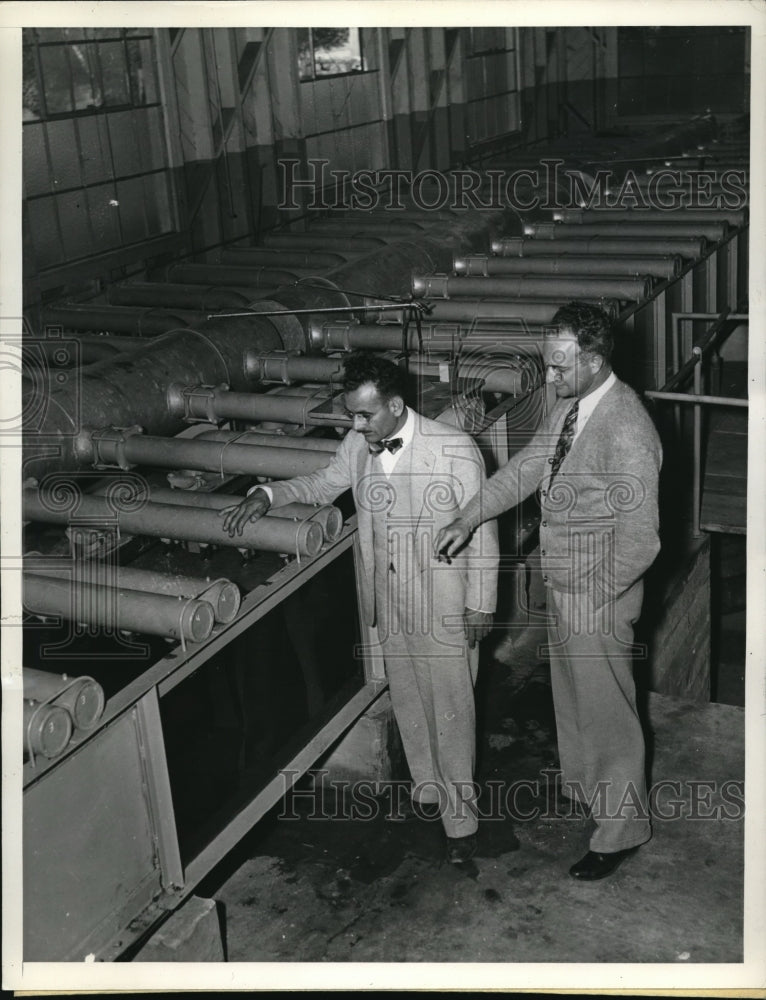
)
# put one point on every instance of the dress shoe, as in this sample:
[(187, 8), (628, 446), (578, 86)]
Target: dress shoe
[(595, 866), (461, 849)]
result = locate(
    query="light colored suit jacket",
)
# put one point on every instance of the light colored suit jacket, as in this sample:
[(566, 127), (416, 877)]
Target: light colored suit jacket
[(442, 468), (599, 528)]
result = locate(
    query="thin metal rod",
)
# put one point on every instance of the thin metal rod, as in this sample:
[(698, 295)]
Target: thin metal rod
[(696, 512), (684, 397), (326, 309)]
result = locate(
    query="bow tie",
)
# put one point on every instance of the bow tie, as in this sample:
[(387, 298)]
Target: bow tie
[(393, 445)]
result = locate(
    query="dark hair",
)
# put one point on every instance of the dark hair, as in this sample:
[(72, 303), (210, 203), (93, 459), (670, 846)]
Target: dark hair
[(591, 326), (361, 367)]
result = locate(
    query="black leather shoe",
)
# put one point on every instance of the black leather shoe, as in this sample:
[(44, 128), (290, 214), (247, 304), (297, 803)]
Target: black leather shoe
[(461, 849), (595, 866)]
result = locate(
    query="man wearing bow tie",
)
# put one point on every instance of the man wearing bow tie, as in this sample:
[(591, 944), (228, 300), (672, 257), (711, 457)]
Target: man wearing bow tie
[(410, 476), (595, 463)]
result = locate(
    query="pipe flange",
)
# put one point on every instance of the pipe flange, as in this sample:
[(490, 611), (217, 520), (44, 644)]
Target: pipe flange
[(269, 366), (194, 403), (104, 447)]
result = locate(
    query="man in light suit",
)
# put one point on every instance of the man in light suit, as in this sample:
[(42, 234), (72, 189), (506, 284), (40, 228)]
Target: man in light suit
[(596, 463), (409, 477)]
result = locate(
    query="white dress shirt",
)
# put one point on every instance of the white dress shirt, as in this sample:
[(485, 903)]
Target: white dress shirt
[(589, 403)]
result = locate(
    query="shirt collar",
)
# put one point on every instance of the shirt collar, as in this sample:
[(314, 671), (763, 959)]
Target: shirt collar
[(588, 404), (408, 430)]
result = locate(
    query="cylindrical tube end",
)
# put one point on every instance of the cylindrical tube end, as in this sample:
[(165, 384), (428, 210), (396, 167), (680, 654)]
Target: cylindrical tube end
[(225, 599), (333, 523), (309, 538), (85, 703), (48, 728), (197, 620)]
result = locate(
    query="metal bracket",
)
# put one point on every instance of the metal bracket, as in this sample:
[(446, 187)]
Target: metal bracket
[(261, 366), (194, 403)]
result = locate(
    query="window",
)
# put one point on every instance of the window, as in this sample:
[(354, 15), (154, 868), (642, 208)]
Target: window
[(329, 52), (689, 70), (493, 107), (72, 70), (95, 172)]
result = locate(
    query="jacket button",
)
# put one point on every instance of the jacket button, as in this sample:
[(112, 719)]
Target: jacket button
[(543, 524), (542, 552), (550, 461), (545, 578)]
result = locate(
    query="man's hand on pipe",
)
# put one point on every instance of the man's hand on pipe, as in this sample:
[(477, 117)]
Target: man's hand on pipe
[(252, 508), (451, 539)]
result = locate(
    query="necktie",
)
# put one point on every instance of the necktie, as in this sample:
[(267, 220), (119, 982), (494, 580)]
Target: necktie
[(565, 440), (393, 445)]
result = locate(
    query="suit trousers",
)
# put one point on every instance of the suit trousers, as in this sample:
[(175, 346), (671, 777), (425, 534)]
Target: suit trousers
[(600, 738), (431, 674)]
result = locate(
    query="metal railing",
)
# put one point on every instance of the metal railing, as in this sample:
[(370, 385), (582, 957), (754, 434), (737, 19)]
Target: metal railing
[(693, 368)]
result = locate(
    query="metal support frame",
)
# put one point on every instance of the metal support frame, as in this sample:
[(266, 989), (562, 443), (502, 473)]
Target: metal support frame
[(698, 398)]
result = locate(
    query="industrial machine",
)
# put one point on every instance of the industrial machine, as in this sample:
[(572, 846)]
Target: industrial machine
[(178, 682)]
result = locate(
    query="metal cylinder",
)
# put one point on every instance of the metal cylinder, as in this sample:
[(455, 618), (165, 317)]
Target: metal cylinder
[(327, 241), (329, 518), (516, 246), (229, 274), (222, 595), (530, 286), (176, 522), (274, 258), (713, 231), (218, 404), (118, 608), (76, 352), (47, 729), (125, 319), (629, 216), (510, 310), (133, 389), (444, 337), (229, 458), (81, 697), (481, 265), (289, 368), (347, 336)]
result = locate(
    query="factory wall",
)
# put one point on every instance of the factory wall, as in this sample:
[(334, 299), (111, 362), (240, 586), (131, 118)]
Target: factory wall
[(144, 146)]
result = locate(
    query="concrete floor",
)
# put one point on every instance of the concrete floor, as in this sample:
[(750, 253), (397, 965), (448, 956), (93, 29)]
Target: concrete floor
[(346, 890)]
